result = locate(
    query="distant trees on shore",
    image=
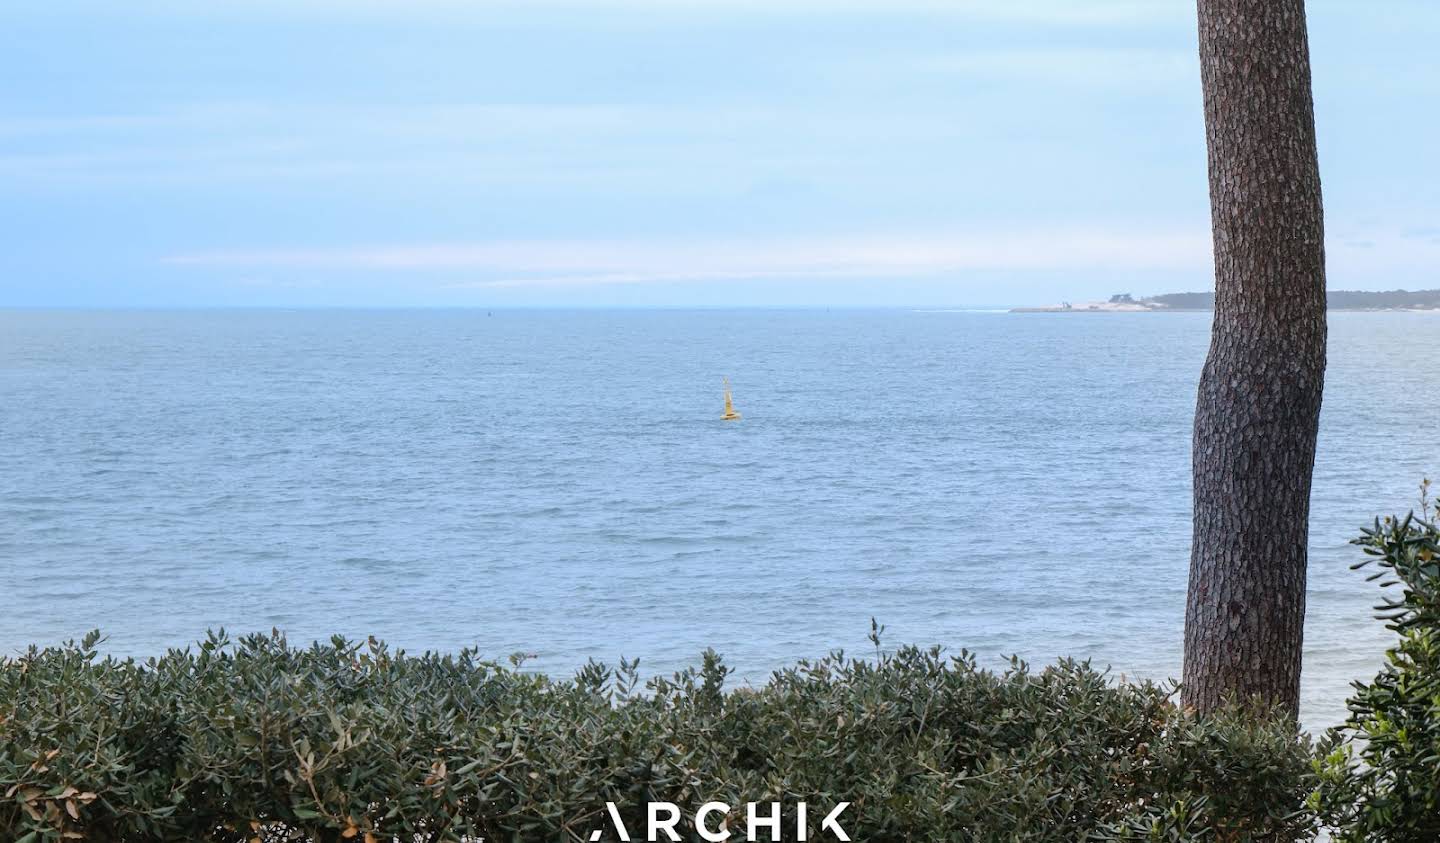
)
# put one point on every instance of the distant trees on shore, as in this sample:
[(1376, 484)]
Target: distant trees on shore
[(1335, 300)]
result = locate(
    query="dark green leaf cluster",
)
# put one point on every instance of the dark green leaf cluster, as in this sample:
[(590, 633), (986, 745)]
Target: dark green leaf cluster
[(1381, 772), (258, 740)]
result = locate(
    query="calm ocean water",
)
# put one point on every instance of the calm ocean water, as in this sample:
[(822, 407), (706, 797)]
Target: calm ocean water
[(559, 482)]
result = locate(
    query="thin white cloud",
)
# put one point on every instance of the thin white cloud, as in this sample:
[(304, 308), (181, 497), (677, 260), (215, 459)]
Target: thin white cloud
[(589, 263), (625, 278), (1054, 12), (1087, 67), (1354, 257), (1365, 253)]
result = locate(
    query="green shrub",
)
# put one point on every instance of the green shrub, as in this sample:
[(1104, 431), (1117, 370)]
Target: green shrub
[(1382, 769), (256, 739)]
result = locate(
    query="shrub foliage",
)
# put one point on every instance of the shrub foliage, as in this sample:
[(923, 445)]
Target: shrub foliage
[(1382, 773), (258, 740)]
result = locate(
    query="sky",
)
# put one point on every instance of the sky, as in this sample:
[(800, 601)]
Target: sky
[(593, 153)]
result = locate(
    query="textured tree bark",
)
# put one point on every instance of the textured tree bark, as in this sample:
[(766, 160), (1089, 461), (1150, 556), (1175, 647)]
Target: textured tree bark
[(1258, 410)]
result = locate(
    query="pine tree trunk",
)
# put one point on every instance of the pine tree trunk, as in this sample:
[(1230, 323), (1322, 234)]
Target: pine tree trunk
[(1258, 410)]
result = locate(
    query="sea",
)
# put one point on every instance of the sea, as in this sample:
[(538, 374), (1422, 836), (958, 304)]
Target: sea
[(559, 483)]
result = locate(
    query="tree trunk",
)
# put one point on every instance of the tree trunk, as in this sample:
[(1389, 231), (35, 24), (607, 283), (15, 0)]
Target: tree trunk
[(1258, 410)]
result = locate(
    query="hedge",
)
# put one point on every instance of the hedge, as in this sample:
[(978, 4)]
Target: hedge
[(255, 739)]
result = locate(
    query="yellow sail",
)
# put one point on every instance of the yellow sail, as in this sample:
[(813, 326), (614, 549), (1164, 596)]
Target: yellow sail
[(730, 414)]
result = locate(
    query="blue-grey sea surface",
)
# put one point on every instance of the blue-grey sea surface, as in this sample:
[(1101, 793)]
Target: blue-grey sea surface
[(561, 483)]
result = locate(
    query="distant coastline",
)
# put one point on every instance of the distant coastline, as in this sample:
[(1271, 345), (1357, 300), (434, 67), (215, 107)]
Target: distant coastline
[(1400, 300)]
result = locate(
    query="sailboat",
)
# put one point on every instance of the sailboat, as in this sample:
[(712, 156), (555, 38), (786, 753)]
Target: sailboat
[(730, 414)]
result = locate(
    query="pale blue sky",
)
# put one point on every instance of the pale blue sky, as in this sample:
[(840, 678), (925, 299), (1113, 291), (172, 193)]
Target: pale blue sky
[(665, 152)]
